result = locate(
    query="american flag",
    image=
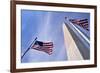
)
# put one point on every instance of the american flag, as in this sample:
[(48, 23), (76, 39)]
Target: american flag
[(43, 46), (81, 22)]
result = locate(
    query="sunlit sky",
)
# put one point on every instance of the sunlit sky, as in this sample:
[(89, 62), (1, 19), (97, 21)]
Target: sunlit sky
[(47, 27)]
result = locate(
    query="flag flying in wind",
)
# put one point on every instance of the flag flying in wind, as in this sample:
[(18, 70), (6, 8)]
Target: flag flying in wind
[(81, 22), (43, 46)]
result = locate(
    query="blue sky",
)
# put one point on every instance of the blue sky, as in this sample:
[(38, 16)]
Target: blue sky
[(47, 27)]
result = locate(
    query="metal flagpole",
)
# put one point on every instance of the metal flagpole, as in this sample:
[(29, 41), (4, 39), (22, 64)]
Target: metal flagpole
[(28, 48)]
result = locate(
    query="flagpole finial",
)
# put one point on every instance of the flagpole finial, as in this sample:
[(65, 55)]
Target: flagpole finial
[(36, 38)]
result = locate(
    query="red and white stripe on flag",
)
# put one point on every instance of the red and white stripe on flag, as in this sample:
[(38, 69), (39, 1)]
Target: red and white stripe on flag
[(81, 22), (43, 46)]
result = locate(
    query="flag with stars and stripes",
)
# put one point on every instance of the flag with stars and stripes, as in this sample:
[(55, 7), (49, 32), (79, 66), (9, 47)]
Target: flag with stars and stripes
[(43, 46), (81, 22)]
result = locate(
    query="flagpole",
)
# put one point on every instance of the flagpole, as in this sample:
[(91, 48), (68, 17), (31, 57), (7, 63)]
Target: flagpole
[(28, 48)]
